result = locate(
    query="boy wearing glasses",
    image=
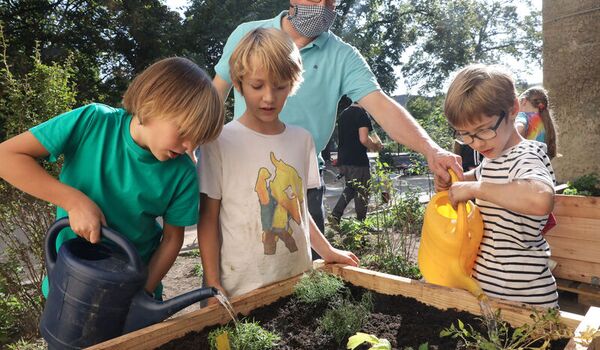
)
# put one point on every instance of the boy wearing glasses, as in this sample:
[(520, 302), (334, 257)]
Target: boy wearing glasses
[(513, 187)]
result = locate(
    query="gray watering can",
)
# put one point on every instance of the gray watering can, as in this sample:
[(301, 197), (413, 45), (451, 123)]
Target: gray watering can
[(97, 291)]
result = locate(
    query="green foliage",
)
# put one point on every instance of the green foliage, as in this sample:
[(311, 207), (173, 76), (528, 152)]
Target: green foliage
[(22, 344), (317, 287), (246, 335), (545, 326), (376, 343), (429, 112), (346, 317), (198, 270), (453, 34), (354, 235), (587, 185), (393, 264), (26, 101)]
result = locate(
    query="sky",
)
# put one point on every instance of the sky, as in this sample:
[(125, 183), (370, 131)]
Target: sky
[(535, 76)]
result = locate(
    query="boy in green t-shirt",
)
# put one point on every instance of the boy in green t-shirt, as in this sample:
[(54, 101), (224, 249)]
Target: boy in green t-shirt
[(123, 168)]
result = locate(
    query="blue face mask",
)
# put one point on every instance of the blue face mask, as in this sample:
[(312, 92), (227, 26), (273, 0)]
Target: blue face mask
[(312, 20)]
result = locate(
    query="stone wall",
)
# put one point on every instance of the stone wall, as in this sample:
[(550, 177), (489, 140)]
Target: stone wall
[(571, 61)]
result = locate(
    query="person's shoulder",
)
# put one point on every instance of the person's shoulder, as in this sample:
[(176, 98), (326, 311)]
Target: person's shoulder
[(531, 147), (298, 131), (245, 27)]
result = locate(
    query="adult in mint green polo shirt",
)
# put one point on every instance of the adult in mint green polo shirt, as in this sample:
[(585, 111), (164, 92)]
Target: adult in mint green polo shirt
[(126, 181), (333, 68)]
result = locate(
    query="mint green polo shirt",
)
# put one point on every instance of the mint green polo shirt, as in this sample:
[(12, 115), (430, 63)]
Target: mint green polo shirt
[(332, 68), (131, 186)]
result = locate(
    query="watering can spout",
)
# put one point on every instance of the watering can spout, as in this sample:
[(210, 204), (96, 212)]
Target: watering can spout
[(145, 310)]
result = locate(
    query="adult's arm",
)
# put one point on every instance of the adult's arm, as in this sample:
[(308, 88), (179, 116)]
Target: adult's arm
[(403, 128)]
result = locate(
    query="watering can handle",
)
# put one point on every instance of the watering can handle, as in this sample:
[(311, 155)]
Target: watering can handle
[(461, 220), (122, 242)]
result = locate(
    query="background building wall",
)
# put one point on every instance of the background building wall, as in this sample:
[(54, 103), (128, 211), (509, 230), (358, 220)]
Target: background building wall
[(571, 65)]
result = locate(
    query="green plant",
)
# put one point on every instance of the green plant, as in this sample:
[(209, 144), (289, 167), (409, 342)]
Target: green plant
[(25, 101), (22, 344), (318, 286), (545, 327), (245, 335), (587, 185), (587, 336), (393, 264), (346, 317), (198, 270), (360, 338)]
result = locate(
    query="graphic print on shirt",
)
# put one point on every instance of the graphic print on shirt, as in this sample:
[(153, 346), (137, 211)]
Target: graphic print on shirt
[(280, 201)]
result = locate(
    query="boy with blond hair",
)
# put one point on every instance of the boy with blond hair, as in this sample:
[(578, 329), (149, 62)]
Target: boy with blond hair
[(124, 167), (513, 187), (255, 228)]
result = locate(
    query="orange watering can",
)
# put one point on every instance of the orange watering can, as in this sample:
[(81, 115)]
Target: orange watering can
[(449, 243)]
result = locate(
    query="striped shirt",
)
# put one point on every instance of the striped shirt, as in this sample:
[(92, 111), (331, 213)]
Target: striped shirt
[(512, 262)]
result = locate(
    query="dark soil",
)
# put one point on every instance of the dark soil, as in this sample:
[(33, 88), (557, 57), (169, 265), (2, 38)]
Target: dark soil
[(405, 322)]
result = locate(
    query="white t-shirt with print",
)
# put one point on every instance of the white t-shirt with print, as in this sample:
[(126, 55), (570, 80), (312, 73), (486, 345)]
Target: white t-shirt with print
[(236, 168), (513, 257)]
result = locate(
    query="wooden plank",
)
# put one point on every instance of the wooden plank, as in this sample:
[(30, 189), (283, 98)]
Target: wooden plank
[(588, 251), (592, 321), (440, 297), (576, 228), (588, 295), (161, 333), (575, 270), (577, 206)]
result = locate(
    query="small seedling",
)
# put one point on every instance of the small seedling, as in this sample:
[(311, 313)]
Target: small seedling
[(317, 286), (587, 336), (377, 344), (245, 335), (346, 317), (545, 327)]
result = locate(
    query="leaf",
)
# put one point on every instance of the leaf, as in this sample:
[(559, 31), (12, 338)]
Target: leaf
[(424, 346), (359, 338)]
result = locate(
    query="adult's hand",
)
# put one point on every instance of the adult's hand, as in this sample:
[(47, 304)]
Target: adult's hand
[(440, 160)]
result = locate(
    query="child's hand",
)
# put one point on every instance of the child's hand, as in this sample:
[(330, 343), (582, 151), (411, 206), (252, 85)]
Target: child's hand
[(462, 191), (341, 257), (85, 218), (212, 301)]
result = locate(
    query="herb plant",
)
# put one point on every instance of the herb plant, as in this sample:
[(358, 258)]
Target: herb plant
[(346, 317), (246, 335), (317, 287), (545, 327)]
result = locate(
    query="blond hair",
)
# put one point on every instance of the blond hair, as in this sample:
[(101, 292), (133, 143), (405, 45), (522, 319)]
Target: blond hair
[(538, 97), (177, 89), (272, 50), (479, 90)]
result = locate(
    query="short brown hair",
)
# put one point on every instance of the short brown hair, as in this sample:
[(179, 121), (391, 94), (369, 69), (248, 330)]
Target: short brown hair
[(176, 88), (479, 90), (274, 51)]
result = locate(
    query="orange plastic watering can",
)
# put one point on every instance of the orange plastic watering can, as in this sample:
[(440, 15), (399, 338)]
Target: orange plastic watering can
[(449, 243)]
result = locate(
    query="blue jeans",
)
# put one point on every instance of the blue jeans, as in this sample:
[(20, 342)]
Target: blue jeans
[(316, 209)]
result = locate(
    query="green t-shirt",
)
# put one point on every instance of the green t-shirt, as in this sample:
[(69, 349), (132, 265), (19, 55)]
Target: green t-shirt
[(131, 187)]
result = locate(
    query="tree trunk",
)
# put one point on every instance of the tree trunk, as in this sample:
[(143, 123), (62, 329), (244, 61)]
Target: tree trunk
[(571, 30)]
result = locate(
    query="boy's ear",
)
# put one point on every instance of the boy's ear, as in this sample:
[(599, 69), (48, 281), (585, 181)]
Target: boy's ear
[(515, 109)]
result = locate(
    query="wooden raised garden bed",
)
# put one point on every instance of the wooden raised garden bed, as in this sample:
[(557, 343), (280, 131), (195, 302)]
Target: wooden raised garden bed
[(575, 244), (440, 297)]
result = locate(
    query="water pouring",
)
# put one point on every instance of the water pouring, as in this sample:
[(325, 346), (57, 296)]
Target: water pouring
[(97, 291)]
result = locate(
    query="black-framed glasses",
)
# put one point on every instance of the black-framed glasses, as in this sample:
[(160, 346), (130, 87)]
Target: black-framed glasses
[(483, 134)]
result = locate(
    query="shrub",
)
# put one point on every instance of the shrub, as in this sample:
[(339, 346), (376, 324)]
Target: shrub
[(245, 335), (317, 287), (587, 185), (26, 101)]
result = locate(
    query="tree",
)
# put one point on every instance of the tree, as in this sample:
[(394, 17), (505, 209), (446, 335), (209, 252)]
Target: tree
[(455, 33)]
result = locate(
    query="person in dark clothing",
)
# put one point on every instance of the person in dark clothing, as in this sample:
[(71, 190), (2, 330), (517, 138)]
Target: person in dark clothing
[(354, 126)]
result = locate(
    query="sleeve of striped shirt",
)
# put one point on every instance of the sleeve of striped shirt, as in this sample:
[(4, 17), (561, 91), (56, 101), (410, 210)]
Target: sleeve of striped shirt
[(533, 164)]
